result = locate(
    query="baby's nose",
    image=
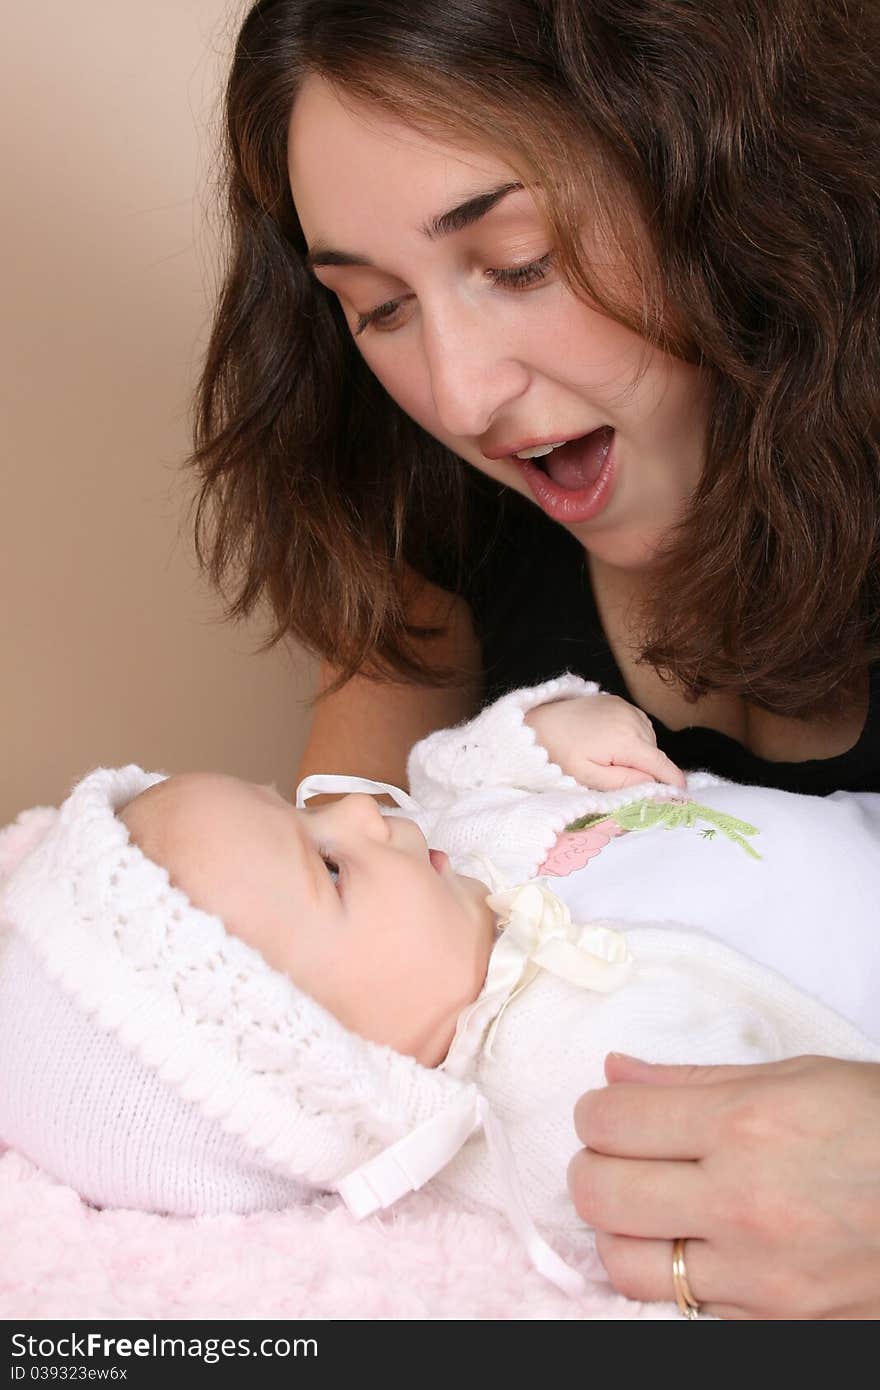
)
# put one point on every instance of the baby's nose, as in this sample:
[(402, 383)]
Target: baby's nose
[(362, 811)]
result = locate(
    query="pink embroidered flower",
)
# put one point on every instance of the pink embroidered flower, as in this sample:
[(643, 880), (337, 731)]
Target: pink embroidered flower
[(575, 848)]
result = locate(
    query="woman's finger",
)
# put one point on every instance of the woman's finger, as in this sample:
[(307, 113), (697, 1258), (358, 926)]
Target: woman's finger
[(642, 1269), (620, 1068), (645, 1198), (633, 1121), (726, 1282)]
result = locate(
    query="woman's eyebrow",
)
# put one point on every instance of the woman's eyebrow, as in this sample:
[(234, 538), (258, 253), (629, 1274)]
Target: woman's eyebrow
[(468, 212), (463, 215)]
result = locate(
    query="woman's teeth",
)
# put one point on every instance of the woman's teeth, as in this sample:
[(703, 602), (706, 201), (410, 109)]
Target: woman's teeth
[(539, 451)]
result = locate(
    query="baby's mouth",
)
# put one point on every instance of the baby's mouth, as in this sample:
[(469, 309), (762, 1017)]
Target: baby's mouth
[(439, 859)]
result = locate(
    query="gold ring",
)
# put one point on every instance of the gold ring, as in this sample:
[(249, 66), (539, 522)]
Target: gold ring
[(687, 1304)]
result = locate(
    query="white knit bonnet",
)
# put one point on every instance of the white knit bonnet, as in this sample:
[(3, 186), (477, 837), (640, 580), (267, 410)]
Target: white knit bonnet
[(151, 1060)]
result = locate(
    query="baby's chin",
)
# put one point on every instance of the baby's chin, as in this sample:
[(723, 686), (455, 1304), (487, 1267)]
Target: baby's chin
[(472, 887), (476, 893)]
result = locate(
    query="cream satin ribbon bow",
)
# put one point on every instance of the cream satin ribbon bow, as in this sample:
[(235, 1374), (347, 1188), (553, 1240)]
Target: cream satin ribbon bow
[(538, 934)]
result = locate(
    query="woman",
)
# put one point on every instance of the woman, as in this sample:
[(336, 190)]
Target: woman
[(648, 236)]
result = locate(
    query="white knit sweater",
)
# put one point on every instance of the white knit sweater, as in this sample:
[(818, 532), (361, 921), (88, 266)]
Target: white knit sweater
[(487, 789)]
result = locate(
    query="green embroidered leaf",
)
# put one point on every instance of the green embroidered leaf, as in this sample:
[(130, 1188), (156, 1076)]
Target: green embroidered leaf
[(643, 815), (673, 815), (586, 821)]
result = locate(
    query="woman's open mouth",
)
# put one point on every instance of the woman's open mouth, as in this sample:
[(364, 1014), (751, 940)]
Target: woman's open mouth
[(574, 481)]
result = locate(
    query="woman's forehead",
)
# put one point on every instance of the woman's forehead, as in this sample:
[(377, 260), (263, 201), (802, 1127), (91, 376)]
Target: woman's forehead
[(345, 158)]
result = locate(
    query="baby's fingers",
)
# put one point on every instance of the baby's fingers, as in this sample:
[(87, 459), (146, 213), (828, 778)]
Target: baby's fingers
[(640, 763), (654, 763), (601, 777)]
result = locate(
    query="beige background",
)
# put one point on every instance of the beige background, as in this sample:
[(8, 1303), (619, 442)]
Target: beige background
[(113, 651)]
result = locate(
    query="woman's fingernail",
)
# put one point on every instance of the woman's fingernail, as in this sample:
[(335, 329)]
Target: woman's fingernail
[(625, 1057)]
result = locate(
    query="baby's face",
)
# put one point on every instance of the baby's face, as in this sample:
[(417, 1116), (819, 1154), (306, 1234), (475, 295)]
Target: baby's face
[(350, 904)]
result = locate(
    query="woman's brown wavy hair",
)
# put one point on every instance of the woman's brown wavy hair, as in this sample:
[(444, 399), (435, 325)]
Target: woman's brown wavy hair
[(731, 150)]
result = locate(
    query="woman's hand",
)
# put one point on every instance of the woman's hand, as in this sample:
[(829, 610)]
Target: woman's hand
[(603, 742), (771, 1172)]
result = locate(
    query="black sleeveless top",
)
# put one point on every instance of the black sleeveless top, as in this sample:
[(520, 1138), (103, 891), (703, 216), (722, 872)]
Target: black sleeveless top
[(527, 583)]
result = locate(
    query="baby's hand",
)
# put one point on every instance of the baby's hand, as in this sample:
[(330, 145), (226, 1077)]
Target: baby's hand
[(603, 742)]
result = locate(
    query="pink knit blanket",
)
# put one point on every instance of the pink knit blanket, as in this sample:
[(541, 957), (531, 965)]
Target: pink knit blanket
[(424, 1260)]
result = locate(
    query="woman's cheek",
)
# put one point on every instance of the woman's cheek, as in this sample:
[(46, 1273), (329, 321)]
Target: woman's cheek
[(405, 378)]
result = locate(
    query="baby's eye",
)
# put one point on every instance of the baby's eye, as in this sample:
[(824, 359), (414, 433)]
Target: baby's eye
[(331, 866)]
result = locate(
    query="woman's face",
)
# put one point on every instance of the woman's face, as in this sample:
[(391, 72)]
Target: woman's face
[(443, 267)]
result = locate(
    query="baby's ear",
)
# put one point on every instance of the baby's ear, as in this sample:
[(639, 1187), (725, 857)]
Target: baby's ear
[(26, 831)]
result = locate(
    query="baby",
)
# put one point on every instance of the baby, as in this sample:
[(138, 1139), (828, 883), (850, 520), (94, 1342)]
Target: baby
[(211, 1000)]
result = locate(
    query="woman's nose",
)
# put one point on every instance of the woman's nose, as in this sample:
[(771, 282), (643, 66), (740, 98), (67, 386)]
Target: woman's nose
[(472, 372)]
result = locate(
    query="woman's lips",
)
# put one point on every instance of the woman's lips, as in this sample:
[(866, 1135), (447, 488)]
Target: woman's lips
[(564, 496), (439, 859)]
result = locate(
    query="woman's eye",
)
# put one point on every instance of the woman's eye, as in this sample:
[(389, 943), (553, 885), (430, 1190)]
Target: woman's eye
[(519, 277), (383, 318)]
